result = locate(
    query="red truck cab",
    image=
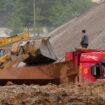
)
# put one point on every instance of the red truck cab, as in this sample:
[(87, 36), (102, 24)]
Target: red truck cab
[(89, 62)]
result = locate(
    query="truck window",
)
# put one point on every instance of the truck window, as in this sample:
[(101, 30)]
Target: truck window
[(103, 70), (95, 71), (103, 67)]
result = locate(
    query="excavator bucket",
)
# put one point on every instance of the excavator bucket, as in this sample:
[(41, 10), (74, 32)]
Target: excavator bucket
[(38, 52), (51, 73), (45, 53)]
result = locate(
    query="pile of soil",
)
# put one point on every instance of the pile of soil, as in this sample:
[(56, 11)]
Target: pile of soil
[(65, 94), (68, 36)]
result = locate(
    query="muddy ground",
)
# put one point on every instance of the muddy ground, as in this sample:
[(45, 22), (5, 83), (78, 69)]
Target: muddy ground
[(65, 94)]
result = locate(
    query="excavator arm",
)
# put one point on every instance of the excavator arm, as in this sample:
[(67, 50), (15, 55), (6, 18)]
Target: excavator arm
[(5, 41)]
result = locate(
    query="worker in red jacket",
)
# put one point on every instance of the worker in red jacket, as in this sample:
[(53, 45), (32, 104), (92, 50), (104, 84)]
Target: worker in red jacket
[(84, 41)]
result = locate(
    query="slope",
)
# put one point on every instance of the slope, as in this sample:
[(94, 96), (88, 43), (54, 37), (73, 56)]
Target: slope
[(68, 36)]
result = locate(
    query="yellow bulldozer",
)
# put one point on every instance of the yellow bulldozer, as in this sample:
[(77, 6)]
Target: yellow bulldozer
[(4, 57)]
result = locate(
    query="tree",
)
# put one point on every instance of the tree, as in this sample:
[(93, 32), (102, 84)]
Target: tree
[(16, 25), (63, 11), (6, 8), (17, 14)]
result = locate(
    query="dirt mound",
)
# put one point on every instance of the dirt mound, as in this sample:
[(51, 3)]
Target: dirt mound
[(68, 36), (65, 94)]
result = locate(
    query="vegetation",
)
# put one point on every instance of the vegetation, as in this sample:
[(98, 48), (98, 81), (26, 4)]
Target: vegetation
[(18, 14)]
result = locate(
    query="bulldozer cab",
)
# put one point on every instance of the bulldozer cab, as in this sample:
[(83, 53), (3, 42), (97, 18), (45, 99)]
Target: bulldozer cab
[(1, 52)]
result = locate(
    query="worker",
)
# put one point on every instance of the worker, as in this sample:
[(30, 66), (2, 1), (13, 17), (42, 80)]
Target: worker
[(84, 42)]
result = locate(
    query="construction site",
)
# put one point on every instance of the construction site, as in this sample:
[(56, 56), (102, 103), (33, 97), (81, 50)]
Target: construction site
[(56, 70)]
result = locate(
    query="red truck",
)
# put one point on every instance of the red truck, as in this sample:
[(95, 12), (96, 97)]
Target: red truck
[(90, 64)]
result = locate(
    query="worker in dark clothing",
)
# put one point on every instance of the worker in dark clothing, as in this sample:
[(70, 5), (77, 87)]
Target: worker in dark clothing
[(84, 42)]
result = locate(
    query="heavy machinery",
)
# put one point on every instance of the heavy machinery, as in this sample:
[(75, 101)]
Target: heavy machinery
[(81, 65), (90, 64), (39, 56), (28, 52), (9, 40), (6, 43)]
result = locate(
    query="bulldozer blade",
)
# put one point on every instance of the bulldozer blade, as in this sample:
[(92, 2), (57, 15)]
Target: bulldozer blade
[(52, 73)]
